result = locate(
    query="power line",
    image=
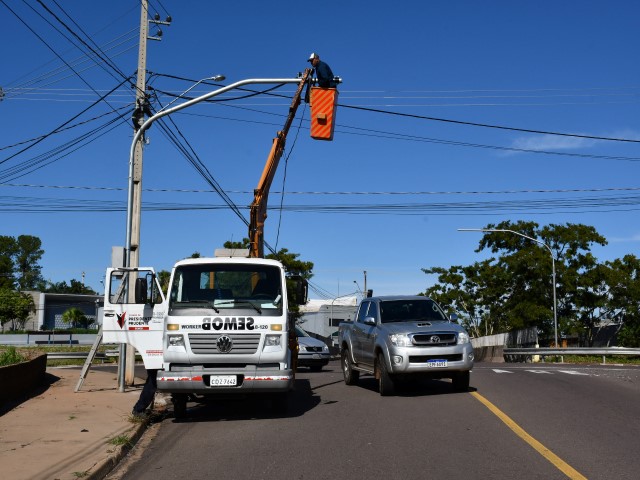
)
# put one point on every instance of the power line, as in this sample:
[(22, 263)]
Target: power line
[(486, 125)]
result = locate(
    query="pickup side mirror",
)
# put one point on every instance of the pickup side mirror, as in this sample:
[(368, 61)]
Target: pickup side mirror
[(369, 321), (453, 317)]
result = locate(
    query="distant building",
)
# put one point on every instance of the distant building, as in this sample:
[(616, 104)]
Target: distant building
[(321, 317), (51, 306)]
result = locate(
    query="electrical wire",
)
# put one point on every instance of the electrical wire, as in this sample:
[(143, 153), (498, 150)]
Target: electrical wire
[(64, 124)]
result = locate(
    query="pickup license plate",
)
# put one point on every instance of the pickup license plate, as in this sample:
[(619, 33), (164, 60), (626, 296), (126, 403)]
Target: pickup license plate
[(437, 363), (223, 381)]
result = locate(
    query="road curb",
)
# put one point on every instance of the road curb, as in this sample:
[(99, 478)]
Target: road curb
[(105, 466)]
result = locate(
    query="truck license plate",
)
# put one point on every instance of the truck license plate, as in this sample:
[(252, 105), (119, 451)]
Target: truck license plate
[(223, 381), (437, 363)]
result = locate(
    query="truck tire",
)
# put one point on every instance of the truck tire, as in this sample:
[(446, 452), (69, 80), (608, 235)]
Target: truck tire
[(179, 405), (351, 376), (385, 379), (460, 381), (280, 403)]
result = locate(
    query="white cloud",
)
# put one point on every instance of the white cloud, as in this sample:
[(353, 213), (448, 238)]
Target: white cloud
[(632, 238), (552, 143)]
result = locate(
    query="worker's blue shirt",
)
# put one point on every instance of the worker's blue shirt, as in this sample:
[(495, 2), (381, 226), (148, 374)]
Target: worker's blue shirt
[(325, 75)]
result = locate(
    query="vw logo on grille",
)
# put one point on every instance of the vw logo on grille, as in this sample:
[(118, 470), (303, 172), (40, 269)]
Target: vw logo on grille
[(435, 339), (224, 344)]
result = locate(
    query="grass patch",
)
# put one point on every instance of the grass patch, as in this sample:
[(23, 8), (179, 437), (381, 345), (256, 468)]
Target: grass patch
[(11, 356), (594, 359), (120, 440)]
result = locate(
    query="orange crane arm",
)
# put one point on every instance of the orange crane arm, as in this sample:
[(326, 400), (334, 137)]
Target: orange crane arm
[(258, 208)]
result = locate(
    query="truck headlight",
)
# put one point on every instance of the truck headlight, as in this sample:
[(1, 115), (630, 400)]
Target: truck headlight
[(463, 337), (175, 340), (272, 340), (400, 340), (325, 348)]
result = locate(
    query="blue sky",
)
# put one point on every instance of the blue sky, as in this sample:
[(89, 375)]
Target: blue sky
[(565, 67)]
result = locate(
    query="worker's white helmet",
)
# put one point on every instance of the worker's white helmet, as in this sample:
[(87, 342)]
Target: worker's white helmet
[(313, 56)]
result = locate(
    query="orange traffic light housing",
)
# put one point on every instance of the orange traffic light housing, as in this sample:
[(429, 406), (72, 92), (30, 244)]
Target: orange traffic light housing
[(323, 112)]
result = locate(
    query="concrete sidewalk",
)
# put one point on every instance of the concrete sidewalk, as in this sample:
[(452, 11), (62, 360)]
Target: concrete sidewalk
[(60, 434)]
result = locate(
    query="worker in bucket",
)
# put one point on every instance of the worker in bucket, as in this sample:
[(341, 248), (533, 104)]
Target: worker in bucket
[(323, 72)]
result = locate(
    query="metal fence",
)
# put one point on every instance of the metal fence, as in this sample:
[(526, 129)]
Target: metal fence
[(528, 354)]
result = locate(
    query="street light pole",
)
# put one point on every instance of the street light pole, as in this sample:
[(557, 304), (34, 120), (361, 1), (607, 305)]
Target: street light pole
[(553, 267), (133, 224)]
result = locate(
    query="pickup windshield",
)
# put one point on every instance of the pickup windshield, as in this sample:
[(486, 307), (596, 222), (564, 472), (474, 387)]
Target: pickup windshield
[(410, 311), (222, 286)]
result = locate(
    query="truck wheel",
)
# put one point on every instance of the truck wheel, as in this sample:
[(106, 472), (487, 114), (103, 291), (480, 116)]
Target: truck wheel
[(280, 402), (179, 406), (351, 376), (385, 380), (460, 381)]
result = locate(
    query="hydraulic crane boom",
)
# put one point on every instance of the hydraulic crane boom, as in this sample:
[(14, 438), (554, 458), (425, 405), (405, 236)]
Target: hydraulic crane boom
[(258, 207)]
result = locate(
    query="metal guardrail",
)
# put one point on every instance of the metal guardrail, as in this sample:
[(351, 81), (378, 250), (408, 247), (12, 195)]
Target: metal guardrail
[(80, 355), (559, 352), (572, 351)]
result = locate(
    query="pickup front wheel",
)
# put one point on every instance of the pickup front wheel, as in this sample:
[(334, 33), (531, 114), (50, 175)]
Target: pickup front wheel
[(385, 380), (460, 381), (351, 376)]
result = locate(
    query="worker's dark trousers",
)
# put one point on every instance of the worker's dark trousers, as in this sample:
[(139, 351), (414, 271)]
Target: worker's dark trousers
[(148, 392)]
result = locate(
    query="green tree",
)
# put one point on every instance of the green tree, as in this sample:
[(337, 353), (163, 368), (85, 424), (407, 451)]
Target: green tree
[(624, 290), (19, 259), (514, 289), (7, 253), (163, 277), (75, 287), (15, 308), (76, 318)]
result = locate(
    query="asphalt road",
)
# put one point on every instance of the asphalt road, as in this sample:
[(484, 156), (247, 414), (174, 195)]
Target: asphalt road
[(519, 421)]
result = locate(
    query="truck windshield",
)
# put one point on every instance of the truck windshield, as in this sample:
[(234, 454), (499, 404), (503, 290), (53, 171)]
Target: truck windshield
[(223, 286), (411, 311)]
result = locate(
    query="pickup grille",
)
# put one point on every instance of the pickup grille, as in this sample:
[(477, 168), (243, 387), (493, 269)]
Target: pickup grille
[(205, 343), (434, 339), (426, 358)]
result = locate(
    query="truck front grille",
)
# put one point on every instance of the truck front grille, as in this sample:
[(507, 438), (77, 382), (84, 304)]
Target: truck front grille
[(434, 339), (242, 343)]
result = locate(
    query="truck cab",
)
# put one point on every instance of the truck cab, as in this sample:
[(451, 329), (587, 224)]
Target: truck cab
[(223, 328)]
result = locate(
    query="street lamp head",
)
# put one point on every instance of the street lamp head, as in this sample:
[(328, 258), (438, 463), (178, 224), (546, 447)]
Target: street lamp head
[(218, 78)]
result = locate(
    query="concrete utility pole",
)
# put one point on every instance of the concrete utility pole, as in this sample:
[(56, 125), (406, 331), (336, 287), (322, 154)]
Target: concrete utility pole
[(127, 352)]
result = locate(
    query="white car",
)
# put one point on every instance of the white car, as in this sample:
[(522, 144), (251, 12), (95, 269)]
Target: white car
[(312, 353)]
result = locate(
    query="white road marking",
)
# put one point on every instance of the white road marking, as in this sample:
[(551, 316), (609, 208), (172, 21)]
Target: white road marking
[(501, 371), (573, 372), (540, 371)]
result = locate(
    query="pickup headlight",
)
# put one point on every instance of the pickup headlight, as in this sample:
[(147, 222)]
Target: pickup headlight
[(400, 340), (325, 348), (463, 337)]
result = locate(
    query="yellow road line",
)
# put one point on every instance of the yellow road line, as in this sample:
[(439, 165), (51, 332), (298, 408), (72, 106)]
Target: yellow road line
[(560, 464)]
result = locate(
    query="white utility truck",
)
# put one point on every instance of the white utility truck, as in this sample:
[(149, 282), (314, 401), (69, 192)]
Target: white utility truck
[(223, 329)]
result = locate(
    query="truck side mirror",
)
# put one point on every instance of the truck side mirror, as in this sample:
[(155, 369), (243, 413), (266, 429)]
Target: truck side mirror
[(453, 317), (300, 289), (369, 321), (141, 291)]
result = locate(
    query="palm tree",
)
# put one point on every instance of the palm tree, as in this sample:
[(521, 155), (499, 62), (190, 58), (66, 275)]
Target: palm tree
[(75, 317)]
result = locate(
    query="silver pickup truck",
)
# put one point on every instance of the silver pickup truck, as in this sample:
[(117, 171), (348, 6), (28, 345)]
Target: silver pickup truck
[(397, 337)]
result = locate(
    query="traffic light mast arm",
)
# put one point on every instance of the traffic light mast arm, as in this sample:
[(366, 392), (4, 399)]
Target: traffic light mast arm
[(258, 213)]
